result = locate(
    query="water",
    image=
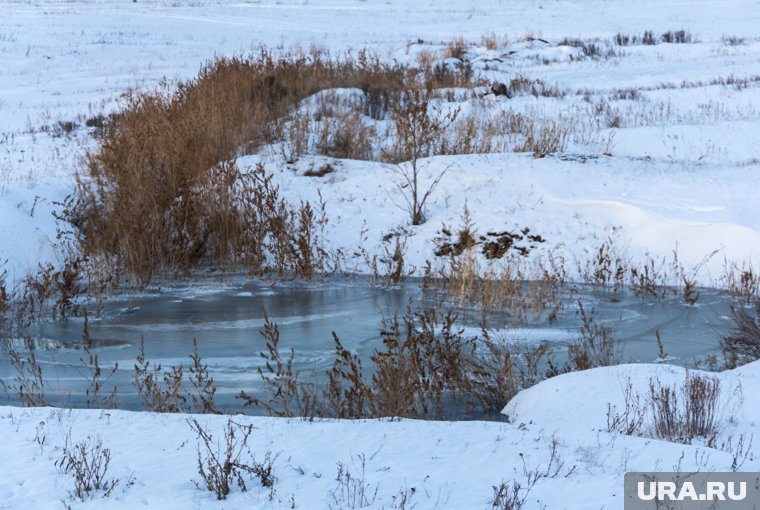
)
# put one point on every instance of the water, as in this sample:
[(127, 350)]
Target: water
[(226, 318)]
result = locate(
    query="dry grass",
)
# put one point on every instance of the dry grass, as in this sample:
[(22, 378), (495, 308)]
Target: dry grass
[(733, 40), (680, 415), (28, 386), (93, 374), (389, 268), (5, 307), (742, 345), (455, 48), (595, 346), (506, 282), (593, 49), (167, 390), (649, 38), (548, 137), (426, 367), (288, 395), (160, 193), (492, 41), (159, 391), (741, 281)]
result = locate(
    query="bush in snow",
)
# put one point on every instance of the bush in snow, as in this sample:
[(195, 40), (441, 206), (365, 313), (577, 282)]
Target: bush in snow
[(87, 462), (222, 465)]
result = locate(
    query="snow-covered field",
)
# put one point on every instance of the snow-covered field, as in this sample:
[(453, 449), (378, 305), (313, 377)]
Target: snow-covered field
[(678, 170)]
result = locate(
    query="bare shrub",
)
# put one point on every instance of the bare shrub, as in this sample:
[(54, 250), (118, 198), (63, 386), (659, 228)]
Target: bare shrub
[(733, 40), (682, 414), (623, 39), (28, 386), (353, 490), (494, 377), (202, 384), (94, 374), (649, 39), (430, 352), (159, 391), (678, 413), (630, 419), (5, 307), (295, 133), (742, 345), (741, 450), (536, 87), (347, 395), (590, 49), (426, 364), (530, 363), (49, 292), (595, 347), (508, 496), (627, 94), (648, 279), (606, 268), (390, 269), (677, 37), (513, 495), (742, 281), (224, 464), (87, 462), (288, 396), (403, 500)]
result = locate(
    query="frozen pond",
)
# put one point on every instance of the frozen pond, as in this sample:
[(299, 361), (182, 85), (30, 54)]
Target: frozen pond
[(226, 319)]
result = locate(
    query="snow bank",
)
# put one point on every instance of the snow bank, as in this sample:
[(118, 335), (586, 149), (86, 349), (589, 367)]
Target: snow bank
[(450, 464)]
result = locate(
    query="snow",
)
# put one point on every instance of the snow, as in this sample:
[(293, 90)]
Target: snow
[(450, 464), (682, 165), (679, 171)]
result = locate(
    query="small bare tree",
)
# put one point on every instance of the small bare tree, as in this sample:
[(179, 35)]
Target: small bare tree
[(419, 128)]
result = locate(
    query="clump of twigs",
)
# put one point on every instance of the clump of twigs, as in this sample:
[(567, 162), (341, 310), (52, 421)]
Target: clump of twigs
[(224, 464), (87, 462)]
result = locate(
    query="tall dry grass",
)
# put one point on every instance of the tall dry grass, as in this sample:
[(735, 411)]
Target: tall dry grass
[(160, 193)]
